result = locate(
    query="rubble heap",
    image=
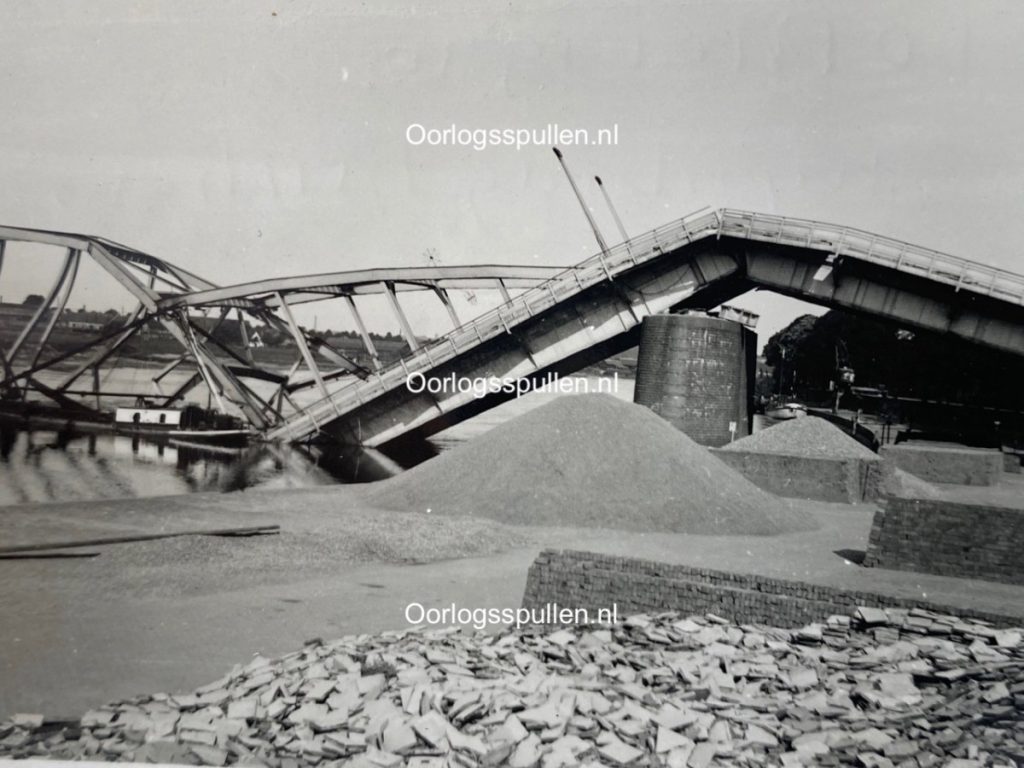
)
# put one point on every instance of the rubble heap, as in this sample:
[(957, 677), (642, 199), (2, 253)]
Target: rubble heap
[(591, 460), (885, 688)]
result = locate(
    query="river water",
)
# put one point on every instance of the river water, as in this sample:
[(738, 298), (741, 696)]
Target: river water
[(45, 465)]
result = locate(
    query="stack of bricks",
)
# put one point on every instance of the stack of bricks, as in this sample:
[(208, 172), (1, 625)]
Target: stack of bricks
[(594, 581), (934, 536), (835, 480), (878, 689), (946, 464)]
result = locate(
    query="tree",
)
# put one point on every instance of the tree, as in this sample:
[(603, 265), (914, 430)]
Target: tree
[(785, 350), (33, 300)]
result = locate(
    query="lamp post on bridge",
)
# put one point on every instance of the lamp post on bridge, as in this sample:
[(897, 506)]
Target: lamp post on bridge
[(586, 211), (615, 214)]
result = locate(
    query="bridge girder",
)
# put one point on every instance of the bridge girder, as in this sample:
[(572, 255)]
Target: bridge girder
[(166, 294), (564, 316), (700, 262), (367, 281)]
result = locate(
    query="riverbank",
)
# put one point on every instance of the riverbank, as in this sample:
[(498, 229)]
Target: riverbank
[(169, 617), (54, 465)]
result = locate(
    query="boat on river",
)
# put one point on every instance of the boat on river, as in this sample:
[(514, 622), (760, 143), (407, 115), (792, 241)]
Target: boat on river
[(785, 410), (197, 425)]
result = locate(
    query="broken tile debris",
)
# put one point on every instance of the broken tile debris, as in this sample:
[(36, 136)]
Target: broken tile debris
[(882, 688)]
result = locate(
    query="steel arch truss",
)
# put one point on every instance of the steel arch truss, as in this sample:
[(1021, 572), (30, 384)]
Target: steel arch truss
[(192, 310)]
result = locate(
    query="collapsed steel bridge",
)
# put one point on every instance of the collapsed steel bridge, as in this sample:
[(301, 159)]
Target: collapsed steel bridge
[(177, 300), (558, 321)]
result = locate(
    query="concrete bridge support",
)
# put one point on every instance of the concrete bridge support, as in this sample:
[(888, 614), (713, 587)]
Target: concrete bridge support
[(697, 372), (601, 321)]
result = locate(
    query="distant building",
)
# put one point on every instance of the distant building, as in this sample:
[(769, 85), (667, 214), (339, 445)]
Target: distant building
[(747, 318), (80, 325), (17, 314)]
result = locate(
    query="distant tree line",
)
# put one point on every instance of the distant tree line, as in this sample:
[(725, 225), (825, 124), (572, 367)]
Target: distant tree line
[(227, 331)]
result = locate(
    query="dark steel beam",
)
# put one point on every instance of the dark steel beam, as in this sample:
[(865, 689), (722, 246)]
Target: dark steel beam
[(403, 321), (44, 307), (370, 281), (62, 301)]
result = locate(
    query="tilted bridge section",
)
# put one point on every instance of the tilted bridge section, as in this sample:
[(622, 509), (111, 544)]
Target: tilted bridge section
[(594, 309), (566, 319)]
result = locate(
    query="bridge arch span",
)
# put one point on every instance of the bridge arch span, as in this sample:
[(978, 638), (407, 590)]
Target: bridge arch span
[(562, 321), (595, 309)]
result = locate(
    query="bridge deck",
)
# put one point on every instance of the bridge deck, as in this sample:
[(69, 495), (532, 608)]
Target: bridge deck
[(834, 244), (564, 319), (884, 251)]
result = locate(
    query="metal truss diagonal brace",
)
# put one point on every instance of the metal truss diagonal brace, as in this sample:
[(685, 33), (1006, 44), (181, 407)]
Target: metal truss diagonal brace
[(367, 340), (62, 302), (403, 321), (45, 306), (217, 376), (146, 295), (131, 327), (505, 297), (300, 340), (442, 294)]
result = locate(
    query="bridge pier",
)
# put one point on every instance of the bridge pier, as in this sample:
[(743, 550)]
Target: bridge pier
[(697, 372)]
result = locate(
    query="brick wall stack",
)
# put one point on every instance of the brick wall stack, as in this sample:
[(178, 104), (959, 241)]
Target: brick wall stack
[(965, 540), (847, 481), (574, 579), (1011, 463), (947, 464)]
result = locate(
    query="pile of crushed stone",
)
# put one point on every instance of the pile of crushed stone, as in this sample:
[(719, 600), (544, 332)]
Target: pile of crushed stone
[(591, 460), (879, 689), (312, 545), (808, 436)]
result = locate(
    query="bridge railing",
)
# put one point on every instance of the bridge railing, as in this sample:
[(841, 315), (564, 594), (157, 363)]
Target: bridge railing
[(504, 317), (885, 251), (836, 240)]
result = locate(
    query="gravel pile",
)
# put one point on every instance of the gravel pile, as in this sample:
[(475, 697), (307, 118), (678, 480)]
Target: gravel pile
[(880, 689), (182, 565), (591, 460), (808, 436), (353, 536)]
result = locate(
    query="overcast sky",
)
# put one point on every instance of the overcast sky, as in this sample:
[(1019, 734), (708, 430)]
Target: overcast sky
[(248, 139)]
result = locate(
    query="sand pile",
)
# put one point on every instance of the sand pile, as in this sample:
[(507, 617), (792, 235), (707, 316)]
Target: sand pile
[(808, 436), (591, 460)]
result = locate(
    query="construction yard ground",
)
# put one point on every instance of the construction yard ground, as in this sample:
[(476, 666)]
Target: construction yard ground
[(172, 614)]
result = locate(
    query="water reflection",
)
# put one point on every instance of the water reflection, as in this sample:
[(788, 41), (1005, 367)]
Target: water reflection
[(64, 465)]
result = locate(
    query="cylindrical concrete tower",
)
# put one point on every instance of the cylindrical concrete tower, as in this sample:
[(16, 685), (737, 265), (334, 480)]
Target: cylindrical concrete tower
[(697, 372)]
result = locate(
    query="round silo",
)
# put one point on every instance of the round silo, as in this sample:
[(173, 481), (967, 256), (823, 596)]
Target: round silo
[(696, 372)]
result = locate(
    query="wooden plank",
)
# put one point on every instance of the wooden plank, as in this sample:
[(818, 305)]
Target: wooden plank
[(48, 555), (256, 530)]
